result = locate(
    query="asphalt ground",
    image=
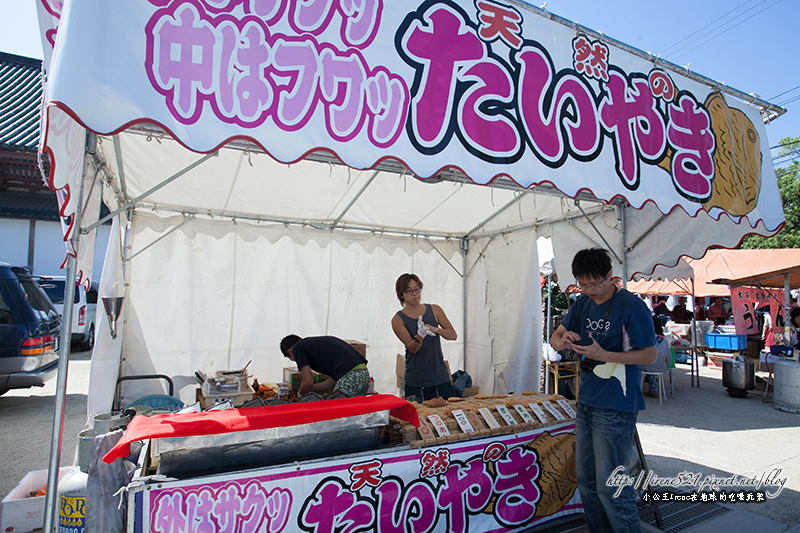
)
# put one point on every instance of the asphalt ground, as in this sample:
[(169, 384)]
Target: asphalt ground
[(700, 435)]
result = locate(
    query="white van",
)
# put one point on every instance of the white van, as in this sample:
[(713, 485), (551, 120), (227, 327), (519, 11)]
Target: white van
[(84, 311)]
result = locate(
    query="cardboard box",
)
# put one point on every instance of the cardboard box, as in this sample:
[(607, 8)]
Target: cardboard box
[(359, 346), (20, 513), (400, 370), (291, 376), (471, 391)]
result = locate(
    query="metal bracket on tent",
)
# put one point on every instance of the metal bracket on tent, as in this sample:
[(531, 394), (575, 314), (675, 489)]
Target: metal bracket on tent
[(480, 254), (188, 219), (150, 191), (428, 240), (586, 216), (120, 168), (354, 199), (653, 226)]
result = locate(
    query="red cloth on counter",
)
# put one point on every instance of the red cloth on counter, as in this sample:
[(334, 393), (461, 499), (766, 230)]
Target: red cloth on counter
[(229, 420)]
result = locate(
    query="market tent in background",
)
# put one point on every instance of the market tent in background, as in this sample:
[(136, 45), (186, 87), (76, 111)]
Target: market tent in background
[(717, 264)]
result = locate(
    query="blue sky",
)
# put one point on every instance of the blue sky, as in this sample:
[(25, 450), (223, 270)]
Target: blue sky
[(747, 44)]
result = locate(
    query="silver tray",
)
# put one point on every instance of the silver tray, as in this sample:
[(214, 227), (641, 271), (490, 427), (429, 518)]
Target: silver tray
[(209, 454)]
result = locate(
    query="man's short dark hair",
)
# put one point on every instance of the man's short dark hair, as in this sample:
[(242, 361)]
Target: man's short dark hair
[(288, 343), (591, 263)]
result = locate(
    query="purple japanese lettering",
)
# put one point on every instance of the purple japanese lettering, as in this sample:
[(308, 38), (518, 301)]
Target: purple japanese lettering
[(516, 485), (629, 114), (333, 509), (414, 508), (559, 115), (494, 134), (465, 489), (689, 132), (438, 44)]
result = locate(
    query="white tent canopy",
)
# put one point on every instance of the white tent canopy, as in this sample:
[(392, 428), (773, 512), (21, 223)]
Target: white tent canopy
[(263, 226)]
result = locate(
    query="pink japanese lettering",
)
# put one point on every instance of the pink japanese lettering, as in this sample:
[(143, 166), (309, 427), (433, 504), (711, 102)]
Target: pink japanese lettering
[(387, 97), (544, 100), (342, 87), (465, 489), (270, 11), (689, 132), (499, 21), (184, 64), (361, 18), (279, 504), (438, 45), (590, 58), (236, 69), (516, 485), (629, 114)]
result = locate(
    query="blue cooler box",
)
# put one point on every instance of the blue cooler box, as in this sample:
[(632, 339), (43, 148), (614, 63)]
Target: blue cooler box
[(723, 341)]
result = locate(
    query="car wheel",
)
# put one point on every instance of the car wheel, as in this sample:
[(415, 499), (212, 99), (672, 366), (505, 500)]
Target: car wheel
[(88, 344)]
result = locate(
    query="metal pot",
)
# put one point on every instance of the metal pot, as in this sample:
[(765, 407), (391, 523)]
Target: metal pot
[(738, 374)]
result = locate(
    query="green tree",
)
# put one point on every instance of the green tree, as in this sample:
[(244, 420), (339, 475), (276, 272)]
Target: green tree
[(789, 186)]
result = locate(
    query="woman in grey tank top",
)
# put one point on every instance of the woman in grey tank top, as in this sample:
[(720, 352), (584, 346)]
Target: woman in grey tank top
[(426, 374)]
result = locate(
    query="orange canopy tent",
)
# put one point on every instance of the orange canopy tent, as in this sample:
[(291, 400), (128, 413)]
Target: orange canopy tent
[(714, 265)]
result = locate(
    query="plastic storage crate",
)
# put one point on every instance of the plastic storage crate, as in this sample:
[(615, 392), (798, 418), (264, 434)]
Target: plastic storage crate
[(723, 341)]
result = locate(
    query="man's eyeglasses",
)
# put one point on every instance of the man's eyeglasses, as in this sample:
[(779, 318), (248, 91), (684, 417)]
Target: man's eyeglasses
[(594, 285), (412, 291)]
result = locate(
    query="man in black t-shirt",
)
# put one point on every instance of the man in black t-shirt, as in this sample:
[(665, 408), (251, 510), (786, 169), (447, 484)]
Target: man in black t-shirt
[(331, 356)]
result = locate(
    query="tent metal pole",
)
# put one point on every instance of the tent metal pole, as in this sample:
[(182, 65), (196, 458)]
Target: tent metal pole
[(464, 250), (57, 433), (787, 307), (549, 327), (695, 362)]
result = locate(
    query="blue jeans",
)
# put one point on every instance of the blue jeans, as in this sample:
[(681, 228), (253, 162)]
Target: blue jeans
[(603, 442)]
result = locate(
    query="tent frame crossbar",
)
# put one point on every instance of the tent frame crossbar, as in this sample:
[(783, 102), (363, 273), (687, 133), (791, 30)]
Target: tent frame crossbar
[(644, 234), (189, 218), (585, 215), (148, 192), (455, 269), (355, 198), (313, 224)]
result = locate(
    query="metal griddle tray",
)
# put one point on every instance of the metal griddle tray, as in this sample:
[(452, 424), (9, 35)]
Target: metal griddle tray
[(193, 456)]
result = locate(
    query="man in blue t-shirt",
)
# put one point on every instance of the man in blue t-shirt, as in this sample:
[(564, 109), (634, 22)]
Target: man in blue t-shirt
[(330, 356), (612, 330)]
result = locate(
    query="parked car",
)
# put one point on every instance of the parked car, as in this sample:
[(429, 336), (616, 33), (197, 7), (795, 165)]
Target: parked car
[(30, 327), (84, 309)]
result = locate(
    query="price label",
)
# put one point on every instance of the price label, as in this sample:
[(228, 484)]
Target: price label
[(539, 412), (472, 416), (487, 415), (524, 414), (506, 415), (439, 425), (462, 420), (425, 430), (551, 408), (567, 408)]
